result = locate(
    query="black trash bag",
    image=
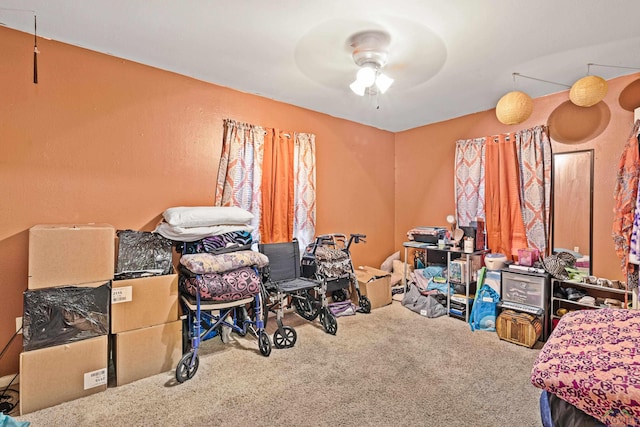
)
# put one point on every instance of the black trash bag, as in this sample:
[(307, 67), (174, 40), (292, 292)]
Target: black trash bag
[(143, 251), (66, 314)]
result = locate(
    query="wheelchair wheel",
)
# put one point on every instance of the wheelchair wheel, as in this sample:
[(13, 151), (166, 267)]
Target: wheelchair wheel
[(286, 340), (365, 304), (264, 343), (307, 306), (339, 295), (184, 370), (329, 323)]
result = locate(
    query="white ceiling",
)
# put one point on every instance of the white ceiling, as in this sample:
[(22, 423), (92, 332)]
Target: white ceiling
[(449, 58)]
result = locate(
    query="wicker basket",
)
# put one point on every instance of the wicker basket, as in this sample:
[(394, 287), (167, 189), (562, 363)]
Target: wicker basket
[(518, 328)]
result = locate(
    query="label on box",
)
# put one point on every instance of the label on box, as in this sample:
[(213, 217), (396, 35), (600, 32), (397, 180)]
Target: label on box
[(123, 294), (95, 378)]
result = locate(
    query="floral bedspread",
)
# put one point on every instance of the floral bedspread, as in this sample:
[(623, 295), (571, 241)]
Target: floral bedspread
[(592, 360)]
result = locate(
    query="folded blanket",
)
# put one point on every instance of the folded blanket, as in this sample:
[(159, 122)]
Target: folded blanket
[(226, 242), (224, 287), (205, 263)]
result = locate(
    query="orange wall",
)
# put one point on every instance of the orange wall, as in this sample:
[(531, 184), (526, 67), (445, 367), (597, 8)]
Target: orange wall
[(102, 139), (425, 160)]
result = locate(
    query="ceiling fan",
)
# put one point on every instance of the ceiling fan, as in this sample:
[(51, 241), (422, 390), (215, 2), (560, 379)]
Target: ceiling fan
[(370, 54), (406, 52)]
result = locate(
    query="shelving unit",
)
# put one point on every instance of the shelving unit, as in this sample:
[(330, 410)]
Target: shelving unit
[(595, 291), (528, 288), (468, 279)]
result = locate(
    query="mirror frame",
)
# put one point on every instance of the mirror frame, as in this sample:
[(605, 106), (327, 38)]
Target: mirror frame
[(553, 204)]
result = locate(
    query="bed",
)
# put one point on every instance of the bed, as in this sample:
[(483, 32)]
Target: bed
[(592, 362)]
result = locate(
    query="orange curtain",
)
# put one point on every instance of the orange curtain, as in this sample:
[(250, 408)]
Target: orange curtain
[(276, 222), (505, 226)]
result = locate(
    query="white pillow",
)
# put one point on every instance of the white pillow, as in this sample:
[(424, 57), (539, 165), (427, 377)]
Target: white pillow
[(205, 216), (387, 264), (191, 234)]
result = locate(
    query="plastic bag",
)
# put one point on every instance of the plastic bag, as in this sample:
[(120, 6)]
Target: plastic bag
[(54, 316), (7, 421), (342, 308), (484, 310), (142, 251)]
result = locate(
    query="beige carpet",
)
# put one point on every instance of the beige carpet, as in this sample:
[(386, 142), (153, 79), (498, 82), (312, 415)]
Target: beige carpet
[(390, 367)]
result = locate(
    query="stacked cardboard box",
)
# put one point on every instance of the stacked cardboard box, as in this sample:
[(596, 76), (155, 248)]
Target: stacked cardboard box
[(146, 331), (67, 366), (375, 284)]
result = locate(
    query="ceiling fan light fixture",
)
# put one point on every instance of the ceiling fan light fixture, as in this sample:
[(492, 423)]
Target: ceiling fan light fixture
[(383, 82), (366, 75), (358, 88), (370, 81), (370, 54)]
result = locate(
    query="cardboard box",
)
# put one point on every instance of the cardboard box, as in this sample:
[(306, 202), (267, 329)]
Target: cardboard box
[(54, 375), (148, 351), (75, 254), (143, 302), (375, 284)]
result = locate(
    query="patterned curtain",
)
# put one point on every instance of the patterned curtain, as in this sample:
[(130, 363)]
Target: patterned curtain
[(304, 165), (240, 170), (469, 177), (534, 157), (625, 196), (530, 152), (273, 176)]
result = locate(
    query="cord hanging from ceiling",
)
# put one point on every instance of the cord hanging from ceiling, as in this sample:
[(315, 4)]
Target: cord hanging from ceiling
[(35, 39), (35, 49)]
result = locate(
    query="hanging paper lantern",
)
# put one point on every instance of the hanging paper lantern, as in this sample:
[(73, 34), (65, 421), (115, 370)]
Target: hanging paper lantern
[(514, 108), (588, 91)]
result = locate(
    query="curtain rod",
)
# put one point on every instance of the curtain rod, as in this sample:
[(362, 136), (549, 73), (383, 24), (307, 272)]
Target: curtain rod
[(285, 134)]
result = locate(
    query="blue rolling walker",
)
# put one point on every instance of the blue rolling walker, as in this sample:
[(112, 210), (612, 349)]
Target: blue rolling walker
[(205, 320)]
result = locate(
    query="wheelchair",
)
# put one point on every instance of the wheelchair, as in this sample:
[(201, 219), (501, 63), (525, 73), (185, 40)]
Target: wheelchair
[(282, 283)]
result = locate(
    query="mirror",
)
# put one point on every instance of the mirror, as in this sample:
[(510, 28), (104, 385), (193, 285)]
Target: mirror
[(573, 205)]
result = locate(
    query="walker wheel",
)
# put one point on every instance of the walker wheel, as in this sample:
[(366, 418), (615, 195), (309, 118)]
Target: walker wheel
[(365, 304), (286, 340), (329, 323), (185, 369), (264, 343), (339, 295)]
